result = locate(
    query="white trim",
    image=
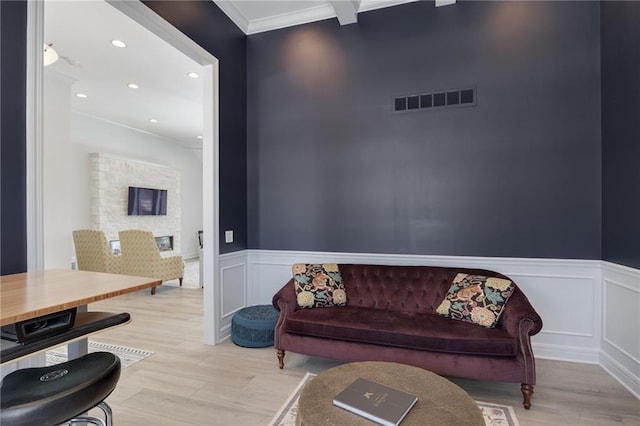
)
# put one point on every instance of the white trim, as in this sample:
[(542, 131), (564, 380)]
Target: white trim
[(626, 378), (237, 17), (312, 14), (34, 130), (243, 267), (346, 11), (566, 353), (623, 285), (211, 204), (631, 273), (606, 281), (568, 333), (367, 5), (440, 3), (621, 363), (305, 16)]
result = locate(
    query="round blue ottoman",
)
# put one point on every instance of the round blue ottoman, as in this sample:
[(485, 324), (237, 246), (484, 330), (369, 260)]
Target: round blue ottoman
[(252, 327)]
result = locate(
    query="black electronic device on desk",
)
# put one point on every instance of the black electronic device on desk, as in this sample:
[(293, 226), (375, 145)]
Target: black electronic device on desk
[(85, 324), (34, 328)]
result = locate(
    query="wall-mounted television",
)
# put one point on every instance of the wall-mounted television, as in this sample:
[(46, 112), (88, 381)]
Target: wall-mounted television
[(147, 202)]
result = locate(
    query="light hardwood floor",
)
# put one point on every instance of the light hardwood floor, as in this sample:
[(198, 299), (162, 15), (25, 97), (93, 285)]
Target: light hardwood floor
[(188, 383)]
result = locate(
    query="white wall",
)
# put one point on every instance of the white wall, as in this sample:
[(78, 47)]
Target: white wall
[(93, 135), (57, 149)]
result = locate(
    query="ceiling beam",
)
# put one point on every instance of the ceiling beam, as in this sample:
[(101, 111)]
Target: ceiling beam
[(346, 10)]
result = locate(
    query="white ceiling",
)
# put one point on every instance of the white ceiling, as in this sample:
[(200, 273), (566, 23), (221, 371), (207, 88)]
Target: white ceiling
[(255, 16), (81, 32)]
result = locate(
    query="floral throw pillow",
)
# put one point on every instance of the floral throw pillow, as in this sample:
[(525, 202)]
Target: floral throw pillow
[(319, 285), (476, 299)]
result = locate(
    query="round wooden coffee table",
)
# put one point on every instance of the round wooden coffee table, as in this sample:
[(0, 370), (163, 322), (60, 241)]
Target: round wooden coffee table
[(440, 402)]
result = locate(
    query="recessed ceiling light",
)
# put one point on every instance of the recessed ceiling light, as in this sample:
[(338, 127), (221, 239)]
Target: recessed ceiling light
[(193, 75), (81, 95), (199, 137), (153, 120), (133, 86), (118, 43)]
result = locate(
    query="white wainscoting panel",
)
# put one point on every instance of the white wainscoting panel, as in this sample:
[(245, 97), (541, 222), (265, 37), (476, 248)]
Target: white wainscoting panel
[(233, 289), (565, 292), (620, 346)]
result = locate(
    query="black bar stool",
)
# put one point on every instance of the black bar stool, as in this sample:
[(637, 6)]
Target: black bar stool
[(61, 393)]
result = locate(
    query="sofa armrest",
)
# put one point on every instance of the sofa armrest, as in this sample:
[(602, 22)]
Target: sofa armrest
[(285, 299), (519, 318)]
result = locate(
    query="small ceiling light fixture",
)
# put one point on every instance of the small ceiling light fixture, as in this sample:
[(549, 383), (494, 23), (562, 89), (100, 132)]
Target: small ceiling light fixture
[(153, 120), (199, 137), (50, 55), (193, 75), (118, 43), (81, 95), (133, 86)]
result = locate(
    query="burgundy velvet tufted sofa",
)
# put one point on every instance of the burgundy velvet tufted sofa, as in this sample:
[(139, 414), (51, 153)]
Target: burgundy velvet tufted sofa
[(391, 316)]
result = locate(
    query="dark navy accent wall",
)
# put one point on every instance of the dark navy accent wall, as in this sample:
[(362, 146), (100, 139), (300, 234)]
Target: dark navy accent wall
[(207, 25), (13, 199), (332, 168), (620, 41)]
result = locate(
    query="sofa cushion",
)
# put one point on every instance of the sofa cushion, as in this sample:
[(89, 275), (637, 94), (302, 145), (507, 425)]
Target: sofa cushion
[(407, 330), (476, 299), (318, 285)]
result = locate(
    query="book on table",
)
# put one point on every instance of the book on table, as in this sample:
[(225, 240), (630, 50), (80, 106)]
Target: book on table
[(375, 401)]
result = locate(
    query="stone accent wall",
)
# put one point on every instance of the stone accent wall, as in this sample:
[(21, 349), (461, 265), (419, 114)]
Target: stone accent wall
[(111, 177)]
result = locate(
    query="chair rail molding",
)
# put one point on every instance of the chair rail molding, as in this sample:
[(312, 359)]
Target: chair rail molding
[(590, 308), (568, 334)]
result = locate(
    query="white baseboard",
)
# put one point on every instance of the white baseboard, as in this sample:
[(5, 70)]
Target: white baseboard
[(566, 353), (621, 374)]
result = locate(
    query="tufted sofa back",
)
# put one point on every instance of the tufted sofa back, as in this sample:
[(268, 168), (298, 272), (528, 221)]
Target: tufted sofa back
[(401, 288)]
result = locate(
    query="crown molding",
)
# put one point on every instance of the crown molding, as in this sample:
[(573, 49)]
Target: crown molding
[(367, 5), (313, 14), (229, 9)]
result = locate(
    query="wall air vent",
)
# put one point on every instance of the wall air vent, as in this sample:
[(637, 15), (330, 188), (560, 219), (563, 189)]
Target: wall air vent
[(435, 100)]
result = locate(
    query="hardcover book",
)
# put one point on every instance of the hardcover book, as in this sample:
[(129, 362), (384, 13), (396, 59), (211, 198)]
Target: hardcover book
[(375, 401)]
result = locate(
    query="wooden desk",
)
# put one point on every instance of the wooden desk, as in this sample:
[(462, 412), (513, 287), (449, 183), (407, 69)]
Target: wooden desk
[(33, 294)]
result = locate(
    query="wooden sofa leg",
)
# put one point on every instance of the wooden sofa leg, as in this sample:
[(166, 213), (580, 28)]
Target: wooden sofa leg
[(527, 391), (180, 282), (153, 290), (280, 358)]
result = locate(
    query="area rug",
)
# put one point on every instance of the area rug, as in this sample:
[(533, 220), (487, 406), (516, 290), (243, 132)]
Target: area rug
[(494, 414), (128, 356)]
